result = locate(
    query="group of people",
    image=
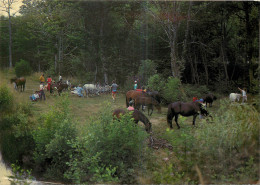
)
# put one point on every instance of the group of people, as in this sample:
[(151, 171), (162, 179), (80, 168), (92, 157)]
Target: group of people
[(41, 94)]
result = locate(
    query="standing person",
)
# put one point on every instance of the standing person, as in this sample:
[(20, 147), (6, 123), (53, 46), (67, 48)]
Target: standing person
[(243, 91), (42, 79), (135, 85), (49, 81), (60, 78), (42, 91), (114, 90)]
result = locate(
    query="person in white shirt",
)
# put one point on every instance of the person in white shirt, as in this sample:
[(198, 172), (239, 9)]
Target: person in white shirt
[(42, 92), (243, 91)]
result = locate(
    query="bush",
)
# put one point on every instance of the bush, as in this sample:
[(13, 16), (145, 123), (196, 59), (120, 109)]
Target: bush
[(110, 150), (156, 83), (16, 134), (6, 99), (51, 138), (171, 91), (22, 68), (195, 90)]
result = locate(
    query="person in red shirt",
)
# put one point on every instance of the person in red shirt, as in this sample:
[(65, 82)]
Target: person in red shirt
[(49, 81)]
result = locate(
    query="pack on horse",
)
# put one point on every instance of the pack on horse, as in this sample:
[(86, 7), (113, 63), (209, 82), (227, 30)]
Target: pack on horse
[(137, 115), (184, 109), (91, 89), (149, 102), (19, 82)]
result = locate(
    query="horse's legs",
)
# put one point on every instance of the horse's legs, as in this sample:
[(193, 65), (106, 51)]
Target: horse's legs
[(176, 120), (169, 118), (194, 118)]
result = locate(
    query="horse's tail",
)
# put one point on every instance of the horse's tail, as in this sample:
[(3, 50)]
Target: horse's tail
[(170, 116)]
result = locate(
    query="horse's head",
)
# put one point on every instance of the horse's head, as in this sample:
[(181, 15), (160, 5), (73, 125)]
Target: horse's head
[(148, 127), (214, 97)]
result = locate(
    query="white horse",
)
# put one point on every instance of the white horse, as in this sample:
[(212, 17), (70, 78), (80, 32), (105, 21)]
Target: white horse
[(234, 96), (91, 89)]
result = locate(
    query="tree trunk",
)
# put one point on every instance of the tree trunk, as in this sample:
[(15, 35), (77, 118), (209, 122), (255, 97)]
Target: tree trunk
[(249, 47), (10, 36)]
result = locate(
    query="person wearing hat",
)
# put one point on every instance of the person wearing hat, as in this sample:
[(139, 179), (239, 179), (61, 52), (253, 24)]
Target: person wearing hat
[(135, 85)]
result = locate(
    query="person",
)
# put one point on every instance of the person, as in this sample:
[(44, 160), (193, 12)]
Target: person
[(114, 90), (42, 79), (131, 104), (143, 89), (135, 85), (42, 91), (49, 81), (35, 96), (79, 91), (243, 91), (60, 78)]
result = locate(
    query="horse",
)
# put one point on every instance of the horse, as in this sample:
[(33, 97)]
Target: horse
[(61, 86), (132, 95), (234, 96), (184, 109), (149, 102), (91, 88), (209, 99), (137, 115), (19, 82), (155, 94)]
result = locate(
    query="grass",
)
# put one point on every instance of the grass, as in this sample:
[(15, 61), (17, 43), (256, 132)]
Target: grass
[(82, 109)]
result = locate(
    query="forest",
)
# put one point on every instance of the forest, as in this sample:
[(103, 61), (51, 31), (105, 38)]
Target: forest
[(204, 43), (180, 49)]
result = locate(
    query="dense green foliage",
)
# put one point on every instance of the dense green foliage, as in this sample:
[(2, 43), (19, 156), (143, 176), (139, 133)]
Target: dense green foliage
[(109, 150), (213, 44), (22, 68), (217, 147)]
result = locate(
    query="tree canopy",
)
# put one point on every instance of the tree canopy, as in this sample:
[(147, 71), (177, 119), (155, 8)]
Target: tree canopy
[(206, 43)]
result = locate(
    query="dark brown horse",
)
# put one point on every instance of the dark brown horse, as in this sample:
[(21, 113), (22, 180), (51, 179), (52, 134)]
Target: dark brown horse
[(184, 109), (209, 98), (149, 102), (132, 95), (137, 115), (61, 87), (19, 82)]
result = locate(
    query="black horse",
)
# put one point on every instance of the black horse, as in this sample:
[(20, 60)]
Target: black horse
[(137, 115), (19, 82), (208, 99), (184, 109)]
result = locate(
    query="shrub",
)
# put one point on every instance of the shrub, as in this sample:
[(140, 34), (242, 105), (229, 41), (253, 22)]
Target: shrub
[(22, 68), (16, 134), (6, 99), (195, 90), (156, 83), (51, 139), (110, 149), (171, 92)]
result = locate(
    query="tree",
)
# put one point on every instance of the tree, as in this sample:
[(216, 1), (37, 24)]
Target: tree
[(7, 6)]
